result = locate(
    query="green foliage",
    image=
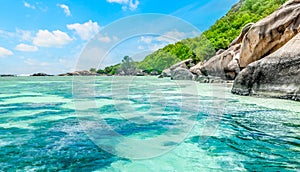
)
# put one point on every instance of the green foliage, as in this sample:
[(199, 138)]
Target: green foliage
[(164, 58), (203, 47), (93, 70), (219, 36), (127, 66), (110, 70), (225, 30)]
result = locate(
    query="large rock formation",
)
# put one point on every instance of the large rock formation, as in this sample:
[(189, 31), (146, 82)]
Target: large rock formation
[(240, 38), (277, 75), (254, 42), (182, 74), (183, 64), (269, 34), (219, 64)]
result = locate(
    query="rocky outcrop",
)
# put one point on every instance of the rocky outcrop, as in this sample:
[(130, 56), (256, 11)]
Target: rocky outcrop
[(240, 38), (219, 64), (269, 34), (41, 74), (255, 42), (183, 64), (182, 74), (79, 73), (277, 75), (8, 75)]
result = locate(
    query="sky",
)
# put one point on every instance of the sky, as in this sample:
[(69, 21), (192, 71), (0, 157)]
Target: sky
[(50, 36)]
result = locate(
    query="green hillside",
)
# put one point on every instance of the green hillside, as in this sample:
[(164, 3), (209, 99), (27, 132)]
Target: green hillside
[(219, 36), (225, 30)]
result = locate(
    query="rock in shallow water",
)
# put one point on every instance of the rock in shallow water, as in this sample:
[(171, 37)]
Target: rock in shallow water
[(182, 74), (277, 75)]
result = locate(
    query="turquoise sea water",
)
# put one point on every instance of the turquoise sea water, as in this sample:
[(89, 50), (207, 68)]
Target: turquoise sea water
[(142, 124)]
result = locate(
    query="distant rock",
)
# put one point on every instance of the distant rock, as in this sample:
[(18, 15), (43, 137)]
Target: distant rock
[(154, 73), (277, 75), (140, 73), (79, 73), (41, 74), (166, 73), (7, 75), (271, 33), (183, 64), (182, 74)]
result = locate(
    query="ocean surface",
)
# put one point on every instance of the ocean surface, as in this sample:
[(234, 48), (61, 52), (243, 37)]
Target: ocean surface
[(142, 124)]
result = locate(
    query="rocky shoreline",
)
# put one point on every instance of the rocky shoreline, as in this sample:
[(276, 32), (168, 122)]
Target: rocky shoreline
[(264, 60)]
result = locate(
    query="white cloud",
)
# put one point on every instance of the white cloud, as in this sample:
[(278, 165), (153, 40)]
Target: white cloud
[(105, 39), (66, 9), (140, 47), (86, 31), (27, 5), (146, 39), (33, 62), (171, 36), (157, 46), (131, 4), (26, 48), (6, 34), (57, 38), (134, 5), (24, 35), (5, 52)]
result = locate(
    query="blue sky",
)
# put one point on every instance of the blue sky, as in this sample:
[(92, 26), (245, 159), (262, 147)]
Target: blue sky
[(49, 36)]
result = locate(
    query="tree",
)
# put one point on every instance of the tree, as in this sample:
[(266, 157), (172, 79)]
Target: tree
[(128, 66), (93, 70)]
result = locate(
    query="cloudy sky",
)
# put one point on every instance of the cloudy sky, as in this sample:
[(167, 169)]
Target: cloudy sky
[(49, 36)]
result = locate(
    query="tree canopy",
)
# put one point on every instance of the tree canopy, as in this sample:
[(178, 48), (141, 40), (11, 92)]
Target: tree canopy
[(203, 47)]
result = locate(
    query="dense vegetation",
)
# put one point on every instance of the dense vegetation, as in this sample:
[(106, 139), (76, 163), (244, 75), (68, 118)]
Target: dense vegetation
[(161, 59), (109, 70), (225, 30), (219, 36), (203, 47)]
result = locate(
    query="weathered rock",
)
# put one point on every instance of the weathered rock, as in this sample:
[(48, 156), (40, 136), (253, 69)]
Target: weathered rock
[(220, 51), (209, 79), (218, 65), (166, 73), (183, 64), (271, 33), (182, 74), (277, 75), (240, 38), (154, 73), (196, 69)]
